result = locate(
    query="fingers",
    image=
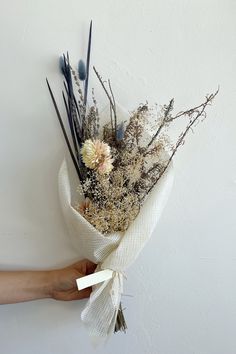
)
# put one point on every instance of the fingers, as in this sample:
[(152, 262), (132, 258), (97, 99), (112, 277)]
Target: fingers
[(78, 294), (90, 267), (84, 267), (73, 294), (83, 294)]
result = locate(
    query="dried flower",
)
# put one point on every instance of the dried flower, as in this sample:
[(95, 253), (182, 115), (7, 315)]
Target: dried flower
[(84, 206), (96, 155), (62, 64), (81, 70)]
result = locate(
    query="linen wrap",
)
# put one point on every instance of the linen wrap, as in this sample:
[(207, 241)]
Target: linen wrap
[(115, 251)]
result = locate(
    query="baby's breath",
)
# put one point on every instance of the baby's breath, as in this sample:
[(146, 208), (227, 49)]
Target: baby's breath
[(139, 160)]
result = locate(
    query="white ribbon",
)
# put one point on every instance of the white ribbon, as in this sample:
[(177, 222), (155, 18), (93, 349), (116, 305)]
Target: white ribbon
[(93, 279)]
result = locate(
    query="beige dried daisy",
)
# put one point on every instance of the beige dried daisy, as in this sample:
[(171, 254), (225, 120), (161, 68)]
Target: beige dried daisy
[(96, 155)]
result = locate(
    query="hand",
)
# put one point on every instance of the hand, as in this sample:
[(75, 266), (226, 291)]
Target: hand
[(64, 281)]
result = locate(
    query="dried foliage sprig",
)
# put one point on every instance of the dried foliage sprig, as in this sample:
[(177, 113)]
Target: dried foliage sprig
[(194, 114), (164, 121)]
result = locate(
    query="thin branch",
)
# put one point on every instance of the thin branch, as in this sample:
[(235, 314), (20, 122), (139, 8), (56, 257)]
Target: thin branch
[(182, 137), (110, 98), (164, 121), (104, 87), (114, 106), (112, 128), (192, 110)]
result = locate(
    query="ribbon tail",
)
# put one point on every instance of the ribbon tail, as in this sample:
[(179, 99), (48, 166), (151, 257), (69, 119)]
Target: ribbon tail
[(93, 279)]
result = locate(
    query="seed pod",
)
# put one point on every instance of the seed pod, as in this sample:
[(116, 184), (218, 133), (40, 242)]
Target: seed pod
[(82, 70), (62, 64)]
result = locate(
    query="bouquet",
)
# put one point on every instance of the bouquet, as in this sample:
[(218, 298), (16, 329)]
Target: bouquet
[(123, 162)]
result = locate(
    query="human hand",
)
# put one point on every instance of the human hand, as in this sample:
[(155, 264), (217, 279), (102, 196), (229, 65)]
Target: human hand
[(63, 281)]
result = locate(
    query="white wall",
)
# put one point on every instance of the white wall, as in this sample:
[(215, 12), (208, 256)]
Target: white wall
[(183, 285)]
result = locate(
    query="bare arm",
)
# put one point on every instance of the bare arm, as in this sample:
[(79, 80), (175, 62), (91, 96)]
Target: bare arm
[(59, 284)]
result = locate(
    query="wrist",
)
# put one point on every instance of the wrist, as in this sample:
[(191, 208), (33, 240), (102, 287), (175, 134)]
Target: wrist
[(42, 284), (49, 280)]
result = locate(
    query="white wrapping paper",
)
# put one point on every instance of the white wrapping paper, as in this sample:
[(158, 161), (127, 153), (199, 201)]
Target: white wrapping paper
[(115, 252)]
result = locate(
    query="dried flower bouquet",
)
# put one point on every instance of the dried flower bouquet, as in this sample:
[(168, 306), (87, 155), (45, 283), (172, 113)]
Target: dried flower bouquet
[(124, 170)]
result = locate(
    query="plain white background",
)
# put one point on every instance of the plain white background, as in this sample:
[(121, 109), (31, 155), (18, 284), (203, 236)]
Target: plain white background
[(183, 285)]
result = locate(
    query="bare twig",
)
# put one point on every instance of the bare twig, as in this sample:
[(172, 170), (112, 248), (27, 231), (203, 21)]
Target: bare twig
[(112, 127), (164, 121), (191, 112), (114, 106), (110, 98)]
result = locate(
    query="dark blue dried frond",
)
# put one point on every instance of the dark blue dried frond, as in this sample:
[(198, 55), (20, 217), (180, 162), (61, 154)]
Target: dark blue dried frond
[(72, 108), (82, 70), (68, 76), (64, 132), (87, 64)]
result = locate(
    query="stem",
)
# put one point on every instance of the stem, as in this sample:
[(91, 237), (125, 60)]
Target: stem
[(108, 96), (164, 121), (64, 132), (87, 65), (114, 107)]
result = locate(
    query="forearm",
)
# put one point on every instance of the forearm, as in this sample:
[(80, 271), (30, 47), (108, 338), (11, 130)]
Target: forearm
[(59, 284), (24, 286)]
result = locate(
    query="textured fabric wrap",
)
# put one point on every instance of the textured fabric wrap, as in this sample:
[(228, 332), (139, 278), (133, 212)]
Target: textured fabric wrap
[(116, 251)]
